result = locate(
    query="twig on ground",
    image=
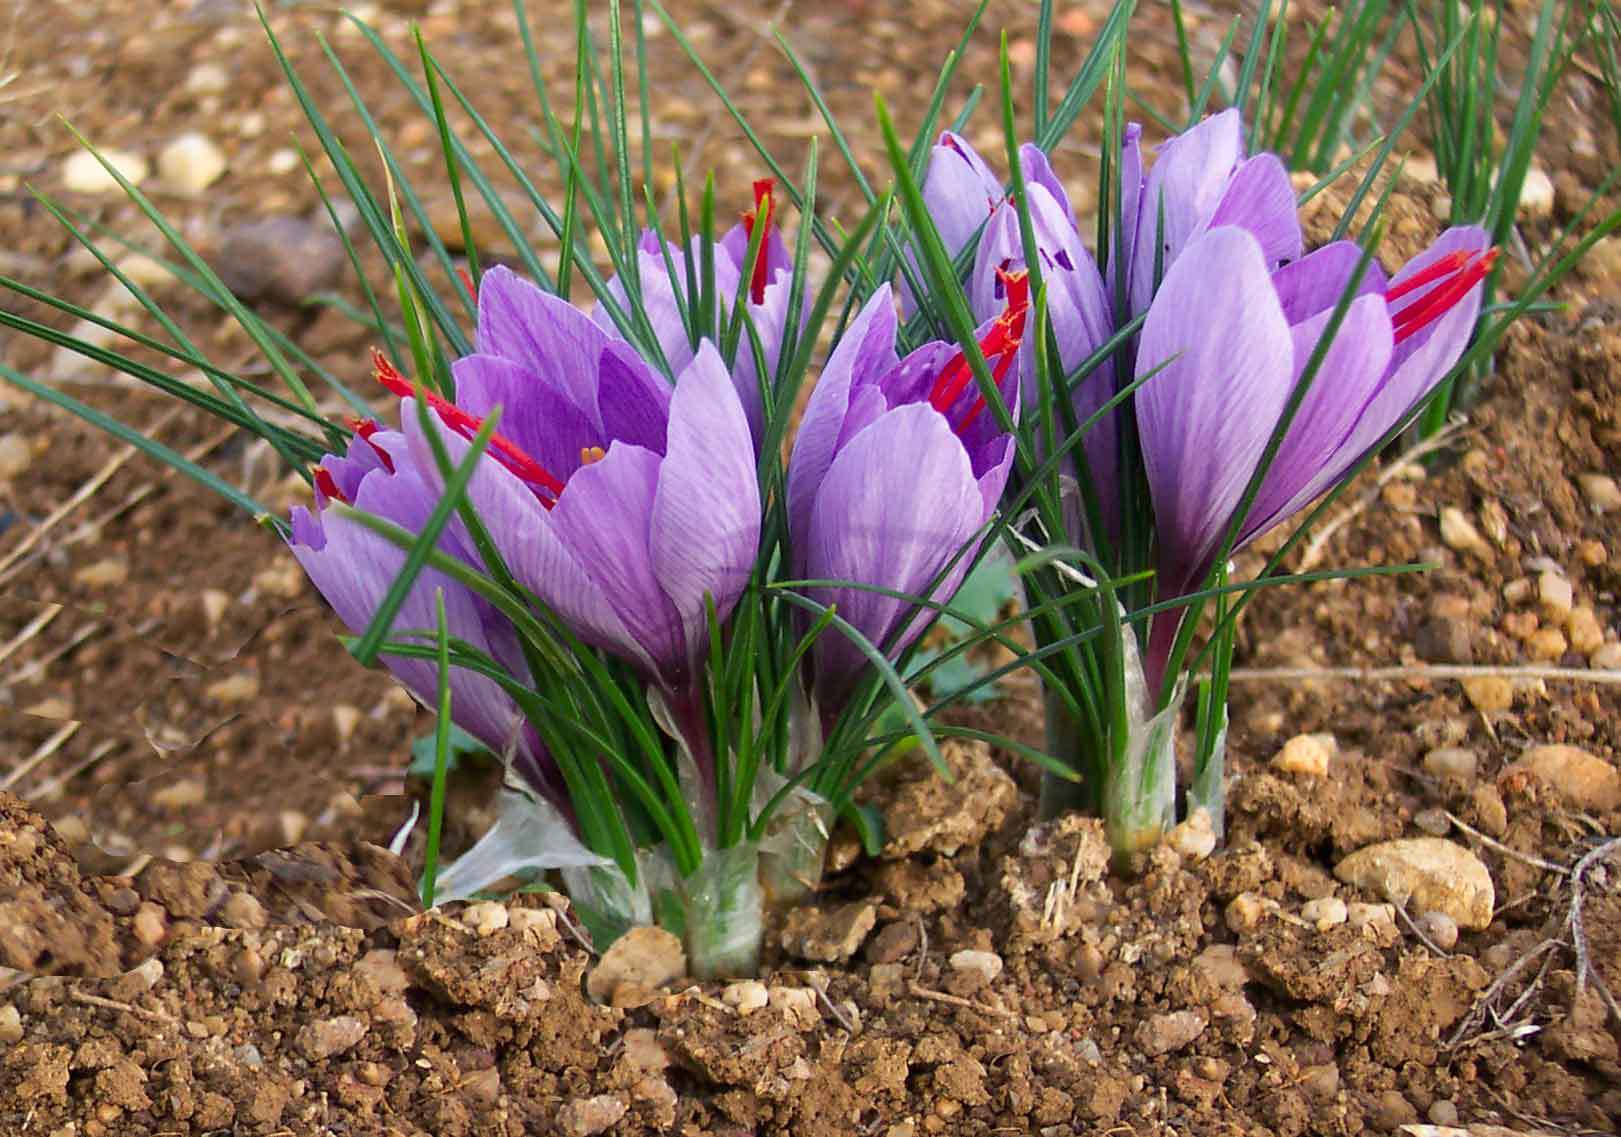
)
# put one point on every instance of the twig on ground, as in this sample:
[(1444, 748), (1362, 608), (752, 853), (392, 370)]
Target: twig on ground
[(923, 992), (32, 629), (1578, 934), (1537, 862), (1426, 671), (86, 997), (45, 749)]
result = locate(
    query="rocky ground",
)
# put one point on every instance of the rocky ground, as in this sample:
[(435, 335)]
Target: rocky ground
[(1414, 925)]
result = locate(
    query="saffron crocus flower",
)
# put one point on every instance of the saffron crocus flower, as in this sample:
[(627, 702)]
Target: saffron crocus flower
[(353, 568), (620, 504), (898, 463), (1233, 339), (768, 288)]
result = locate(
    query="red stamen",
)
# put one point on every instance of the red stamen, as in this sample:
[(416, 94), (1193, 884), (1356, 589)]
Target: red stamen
[(1446, 266), (762, 194), (467, 425), (325, 483), (467, 283), (999, 345), (1425, 311)]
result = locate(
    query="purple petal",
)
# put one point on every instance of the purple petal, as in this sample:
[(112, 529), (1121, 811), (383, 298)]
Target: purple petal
[(1315, 282), (633, 401), (705, 530), (1259, 198), (864, 351), (1312, 458), (959, 190), (526, 538), (1183, 188), (1124, 239), (537, 417), (896, 504), (604, 516), (1204, 419), (1038, 171), (544, 333)]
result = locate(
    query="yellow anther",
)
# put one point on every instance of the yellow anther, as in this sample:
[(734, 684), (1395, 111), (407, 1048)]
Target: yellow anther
[(590, 454)]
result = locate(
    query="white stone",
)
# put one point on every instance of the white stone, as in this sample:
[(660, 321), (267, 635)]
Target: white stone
[(283, 161), (1425, 873), (1306, 755), (1601, 492), (1459, 533), (983, 965), (208, 78), (191, 163), (1324, 913), (746, 997), (1556, 595), (1536, 194), (82, 173), (16, 454)]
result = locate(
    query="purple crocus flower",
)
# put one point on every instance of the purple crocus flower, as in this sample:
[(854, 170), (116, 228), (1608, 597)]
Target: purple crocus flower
[(1232, 339), (353, 567), (620, 504), (896, 466), (769, 288)]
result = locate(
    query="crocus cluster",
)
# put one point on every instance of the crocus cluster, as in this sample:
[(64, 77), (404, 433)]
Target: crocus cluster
[(1208, 244), (629, 507)]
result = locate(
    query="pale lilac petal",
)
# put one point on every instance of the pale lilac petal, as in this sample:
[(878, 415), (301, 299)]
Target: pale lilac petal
[(1316, 281), (864, 351), (870, 525), (959, 190), (1204, 419), (1311, 458), (912, 379), (544, 333), (1038, 170), (1124, 238), (604, 518), (633, 401), (1189, 176), (705, 513), (1259, 198), (537, 417), (705, 529)]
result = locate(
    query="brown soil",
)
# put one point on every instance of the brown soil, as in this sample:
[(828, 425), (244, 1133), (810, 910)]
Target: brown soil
[(236, 952)]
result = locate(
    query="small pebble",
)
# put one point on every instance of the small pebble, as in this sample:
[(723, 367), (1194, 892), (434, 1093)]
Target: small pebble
[(11, 1025), (15, 456), (1607, 658), (1583, 781), (1585, 632), (214, 602), (1324, 913), (1433, 821), (345, 719), (1517, 591), (1489, 693), (83, 173), (1439, 928), (1244, 912), (1195, 836), (586, 1117), (283, 161), (234, 689), (1379, 917), (646, 956), (106, 573), (1591, 553), (1536, 193), (1162, 1034), (1546, 644), (1306, 755), (1442, 1112), (319, 1040), (1424, 873), (982, 967), (1459, 533), (1601, 492), (1555, 595), (1452, 763), (746, 996), (191, 163), (486, 917), (150, 924), (208, 79)]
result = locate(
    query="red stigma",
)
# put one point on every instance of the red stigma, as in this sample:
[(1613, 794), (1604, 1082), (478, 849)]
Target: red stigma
[(467, 425), (325, 483), (365, 428), (999, 345), (467, 283), (764, 199), (1453, 276)]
